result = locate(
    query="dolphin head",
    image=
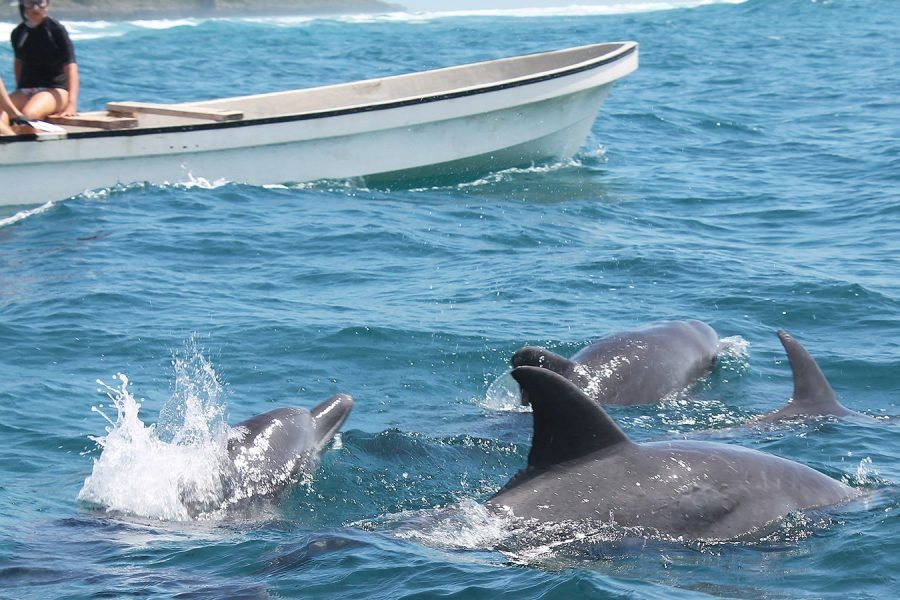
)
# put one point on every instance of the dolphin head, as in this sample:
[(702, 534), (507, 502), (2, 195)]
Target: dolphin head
[(534, 356), (270, 450)]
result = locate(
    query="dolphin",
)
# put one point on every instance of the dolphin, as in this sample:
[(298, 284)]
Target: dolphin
[(582, 466), (813, 396), (634, 367), (272, 450)]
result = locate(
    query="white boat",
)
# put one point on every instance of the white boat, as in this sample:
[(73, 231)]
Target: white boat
[(447, 122)]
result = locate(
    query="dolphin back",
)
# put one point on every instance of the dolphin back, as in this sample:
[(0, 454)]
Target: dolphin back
[(583, 467), (635, 367)]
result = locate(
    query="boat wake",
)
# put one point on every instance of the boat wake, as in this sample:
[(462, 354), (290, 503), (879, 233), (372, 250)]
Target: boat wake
[(498, 177), (24, 214), (506, 174)]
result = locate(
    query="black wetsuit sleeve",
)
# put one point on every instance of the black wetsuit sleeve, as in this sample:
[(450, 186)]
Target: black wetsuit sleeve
[(14, 39), (64, 43)]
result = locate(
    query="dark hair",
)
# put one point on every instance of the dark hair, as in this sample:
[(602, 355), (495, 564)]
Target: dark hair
[(22, 7)]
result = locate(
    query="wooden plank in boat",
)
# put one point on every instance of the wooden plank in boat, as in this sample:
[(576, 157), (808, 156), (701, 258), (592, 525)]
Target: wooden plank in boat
[(95, 121), (174, 110)]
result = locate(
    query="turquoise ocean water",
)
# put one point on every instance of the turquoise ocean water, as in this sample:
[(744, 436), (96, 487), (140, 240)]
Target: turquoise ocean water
[(748, 174)]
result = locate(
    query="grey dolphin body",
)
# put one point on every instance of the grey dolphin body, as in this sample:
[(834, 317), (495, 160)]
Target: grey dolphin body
[(269, 451), (634, 367), (813, 395), (583, 467)]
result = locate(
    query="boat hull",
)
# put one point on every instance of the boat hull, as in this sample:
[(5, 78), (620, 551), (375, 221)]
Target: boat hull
[(453, 136)]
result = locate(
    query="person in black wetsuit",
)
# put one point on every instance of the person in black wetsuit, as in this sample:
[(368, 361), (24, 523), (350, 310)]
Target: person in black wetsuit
[(45, 67)]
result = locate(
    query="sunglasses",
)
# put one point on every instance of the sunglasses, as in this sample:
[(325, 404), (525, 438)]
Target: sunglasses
[(36, 4)]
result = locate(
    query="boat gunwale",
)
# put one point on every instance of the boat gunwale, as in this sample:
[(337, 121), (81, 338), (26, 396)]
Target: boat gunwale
[(626, 49)]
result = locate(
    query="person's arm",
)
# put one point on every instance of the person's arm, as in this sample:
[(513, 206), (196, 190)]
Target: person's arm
[(7, 106), (71, 69), (72, 75)]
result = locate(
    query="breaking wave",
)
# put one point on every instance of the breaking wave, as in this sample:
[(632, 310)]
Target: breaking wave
[(92, 30), (24, 214)]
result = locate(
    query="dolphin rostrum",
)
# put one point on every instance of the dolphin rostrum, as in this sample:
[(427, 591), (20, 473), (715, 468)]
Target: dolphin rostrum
[(634, 367), (583, 467)]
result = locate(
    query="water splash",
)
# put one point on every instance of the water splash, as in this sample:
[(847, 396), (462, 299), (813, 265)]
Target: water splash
[(467, 525), (734, 347), (195, 414), (733, 358), (173, 470), (503, 395), (866, 473), (530, 542), (191, 181)]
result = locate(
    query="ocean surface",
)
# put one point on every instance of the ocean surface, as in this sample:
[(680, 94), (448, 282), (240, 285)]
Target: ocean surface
[(747, 175)]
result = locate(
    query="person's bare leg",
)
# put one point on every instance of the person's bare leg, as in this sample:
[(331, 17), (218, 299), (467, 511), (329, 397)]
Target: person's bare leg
[(42, 104), (5, 129)]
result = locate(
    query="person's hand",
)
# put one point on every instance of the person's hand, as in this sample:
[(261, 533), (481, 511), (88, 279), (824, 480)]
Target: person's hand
[(19, 121)]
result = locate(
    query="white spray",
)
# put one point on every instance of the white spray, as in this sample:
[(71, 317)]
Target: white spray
[(172, 470)]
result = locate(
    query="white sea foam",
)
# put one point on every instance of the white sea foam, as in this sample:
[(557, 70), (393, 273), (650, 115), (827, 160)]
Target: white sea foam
[(24, 214), (504, 175), (201, 182), (418, 11), (572, 10), (734, 347), (426, 10), (466, 525), (93, 30), (166, 23)]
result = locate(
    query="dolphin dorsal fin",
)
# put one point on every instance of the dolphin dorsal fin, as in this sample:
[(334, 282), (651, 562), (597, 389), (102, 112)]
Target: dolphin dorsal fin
[(567, 423), (812, 392)]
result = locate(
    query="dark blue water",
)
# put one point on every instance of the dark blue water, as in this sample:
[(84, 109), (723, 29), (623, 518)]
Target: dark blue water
[(748, 174)]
